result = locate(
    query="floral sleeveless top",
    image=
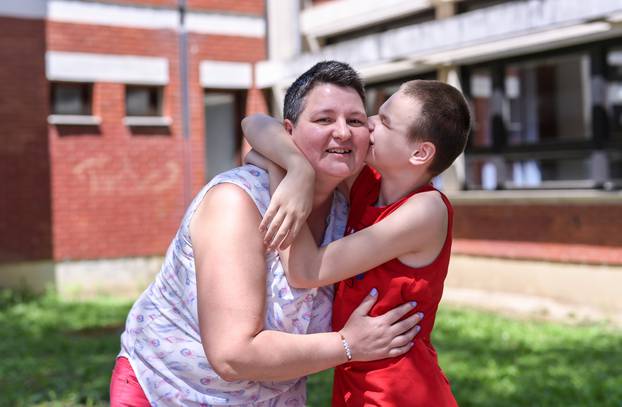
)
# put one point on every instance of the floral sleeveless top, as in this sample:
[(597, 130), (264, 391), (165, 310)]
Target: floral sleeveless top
[(161, 338)]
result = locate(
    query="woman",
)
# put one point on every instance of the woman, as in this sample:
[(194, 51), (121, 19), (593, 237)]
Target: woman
[(220, 325)]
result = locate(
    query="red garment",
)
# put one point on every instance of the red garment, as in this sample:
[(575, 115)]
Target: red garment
[(414, 379), (125, 391)]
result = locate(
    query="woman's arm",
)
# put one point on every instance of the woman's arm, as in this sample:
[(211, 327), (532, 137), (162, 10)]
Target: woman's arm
[(417, 227), (230, 265)]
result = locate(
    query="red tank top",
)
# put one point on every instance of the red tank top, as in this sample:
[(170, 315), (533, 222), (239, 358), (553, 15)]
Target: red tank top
[(414, 379)]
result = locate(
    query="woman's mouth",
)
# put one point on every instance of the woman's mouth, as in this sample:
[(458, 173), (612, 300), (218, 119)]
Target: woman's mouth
[(338, 151)]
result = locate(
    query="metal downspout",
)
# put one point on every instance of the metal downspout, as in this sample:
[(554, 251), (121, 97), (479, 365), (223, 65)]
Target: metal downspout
[(185, 103)]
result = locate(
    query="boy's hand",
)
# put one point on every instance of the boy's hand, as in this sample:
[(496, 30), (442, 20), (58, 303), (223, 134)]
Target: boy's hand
[(290, 205)]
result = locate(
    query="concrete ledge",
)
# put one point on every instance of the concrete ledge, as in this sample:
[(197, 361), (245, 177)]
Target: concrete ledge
[(35, 276), (121, 278), (573, 285)]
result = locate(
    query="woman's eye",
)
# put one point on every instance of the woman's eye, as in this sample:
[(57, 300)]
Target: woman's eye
[(322, 120), (356, 122)]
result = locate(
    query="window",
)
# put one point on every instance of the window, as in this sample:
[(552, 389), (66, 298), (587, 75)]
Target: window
[(533, 123), (143, 101), (376, 94), (614, 93), (548, 100), (71, 99), (223, 137), (481, 98)]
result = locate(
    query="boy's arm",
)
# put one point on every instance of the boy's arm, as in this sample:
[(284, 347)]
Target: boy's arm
[(268, 136), (291, 202), (417, 227)]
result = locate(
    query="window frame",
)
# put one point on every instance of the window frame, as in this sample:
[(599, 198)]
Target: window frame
[(599, 147), (86, 97)]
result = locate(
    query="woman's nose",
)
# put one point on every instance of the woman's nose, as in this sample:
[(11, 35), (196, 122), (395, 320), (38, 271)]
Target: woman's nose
[(342, 131)]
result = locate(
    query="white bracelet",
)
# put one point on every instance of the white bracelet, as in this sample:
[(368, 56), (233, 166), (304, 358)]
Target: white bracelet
[(346, 347)]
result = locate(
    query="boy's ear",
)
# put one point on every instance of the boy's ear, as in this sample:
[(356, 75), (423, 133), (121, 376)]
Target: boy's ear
[(289, 126), (423, 153)]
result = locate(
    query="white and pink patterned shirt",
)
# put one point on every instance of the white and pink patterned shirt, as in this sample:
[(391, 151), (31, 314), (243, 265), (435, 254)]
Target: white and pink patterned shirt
[(161, 338)]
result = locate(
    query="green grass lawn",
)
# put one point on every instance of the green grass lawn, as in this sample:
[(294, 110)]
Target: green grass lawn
[(55, 353)]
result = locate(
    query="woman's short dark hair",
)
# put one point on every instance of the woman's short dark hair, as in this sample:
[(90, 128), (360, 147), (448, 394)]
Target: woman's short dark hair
[(330, 72)]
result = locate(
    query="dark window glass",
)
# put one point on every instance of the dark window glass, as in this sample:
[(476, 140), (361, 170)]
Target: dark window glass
[(615, 165), (530, 173), (541, 109), (143, 101), (481, 100), (376, 94), (548, 100), (481, 173), (71, 98), (222, 131), (614, 92)]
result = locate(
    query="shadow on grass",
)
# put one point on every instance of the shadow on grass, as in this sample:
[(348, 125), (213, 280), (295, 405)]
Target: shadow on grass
[(494, 361), (57, 353)]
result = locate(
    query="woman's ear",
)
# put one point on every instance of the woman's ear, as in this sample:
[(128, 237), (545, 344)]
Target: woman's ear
[(423, 153), (289, 126)]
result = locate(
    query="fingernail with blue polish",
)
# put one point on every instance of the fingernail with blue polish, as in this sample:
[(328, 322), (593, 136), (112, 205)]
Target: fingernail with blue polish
[(413, 304), (417, 328), (373, 292), (420, 315)]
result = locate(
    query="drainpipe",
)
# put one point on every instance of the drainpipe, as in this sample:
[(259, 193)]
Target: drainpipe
[(185, 103)]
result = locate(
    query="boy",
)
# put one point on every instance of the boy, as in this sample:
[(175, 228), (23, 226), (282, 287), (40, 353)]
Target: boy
[(403, 234)]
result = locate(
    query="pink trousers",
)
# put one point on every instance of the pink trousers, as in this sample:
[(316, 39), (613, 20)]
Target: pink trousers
[(125, 391)]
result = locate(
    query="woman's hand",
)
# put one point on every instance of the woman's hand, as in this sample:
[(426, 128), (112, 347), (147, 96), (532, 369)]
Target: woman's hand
[(385, 336), (290, 205)]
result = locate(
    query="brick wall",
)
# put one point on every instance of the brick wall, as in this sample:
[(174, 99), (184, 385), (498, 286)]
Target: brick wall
[(150, 3), (586, 224), (251, 7), (218, 48), (25, 214), (117, 191)]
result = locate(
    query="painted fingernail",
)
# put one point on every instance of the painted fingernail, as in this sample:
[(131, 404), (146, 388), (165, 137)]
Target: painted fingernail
[(413, 304), (420, 315), (373, 292), (417, 328)]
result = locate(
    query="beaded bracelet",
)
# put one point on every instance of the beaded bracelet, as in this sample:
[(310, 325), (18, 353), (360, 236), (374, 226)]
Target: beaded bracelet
[(346, 346)]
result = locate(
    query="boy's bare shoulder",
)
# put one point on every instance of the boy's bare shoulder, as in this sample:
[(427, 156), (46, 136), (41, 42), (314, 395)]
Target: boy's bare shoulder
[(429, 203)]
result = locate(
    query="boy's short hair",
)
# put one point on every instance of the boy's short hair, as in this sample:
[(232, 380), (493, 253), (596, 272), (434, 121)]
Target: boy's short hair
[(445, 120), (331, 72)]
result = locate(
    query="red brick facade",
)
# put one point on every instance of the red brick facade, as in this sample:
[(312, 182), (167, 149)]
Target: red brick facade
[(586, 224), (108, 191), (25, 206)]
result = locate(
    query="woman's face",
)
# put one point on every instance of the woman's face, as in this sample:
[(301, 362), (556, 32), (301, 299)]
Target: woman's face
[(332, 131)]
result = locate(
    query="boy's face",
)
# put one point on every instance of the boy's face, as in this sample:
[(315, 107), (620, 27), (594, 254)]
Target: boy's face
[(390, 144), (332, 131)]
